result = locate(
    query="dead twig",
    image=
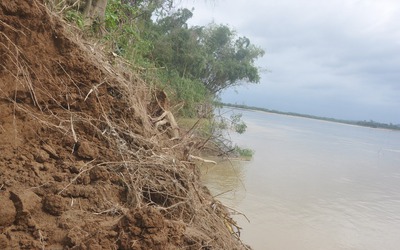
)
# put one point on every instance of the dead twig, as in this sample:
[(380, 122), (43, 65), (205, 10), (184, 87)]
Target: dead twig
[(93, 89), (201, 159)]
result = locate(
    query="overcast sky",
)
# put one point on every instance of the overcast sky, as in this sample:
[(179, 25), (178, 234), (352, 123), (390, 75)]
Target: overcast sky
[(333, 58)]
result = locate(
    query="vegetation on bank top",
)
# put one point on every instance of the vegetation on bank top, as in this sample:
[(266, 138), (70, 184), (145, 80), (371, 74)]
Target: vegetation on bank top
[(371, 124), (192, 64)]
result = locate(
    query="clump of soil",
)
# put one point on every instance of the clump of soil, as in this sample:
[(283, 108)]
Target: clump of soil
[(82, 165)]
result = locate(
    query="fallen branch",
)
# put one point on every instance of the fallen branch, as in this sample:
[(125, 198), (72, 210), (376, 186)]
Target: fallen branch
[(167, 117), (202, 159)]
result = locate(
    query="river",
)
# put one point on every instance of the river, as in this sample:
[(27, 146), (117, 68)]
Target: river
[(313, 185)]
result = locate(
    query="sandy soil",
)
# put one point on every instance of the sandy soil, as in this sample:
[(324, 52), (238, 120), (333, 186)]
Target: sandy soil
[(81, 163)]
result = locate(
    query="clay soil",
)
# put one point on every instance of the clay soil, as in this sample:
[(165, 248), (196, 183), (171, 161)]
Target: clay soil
[(82, 165)]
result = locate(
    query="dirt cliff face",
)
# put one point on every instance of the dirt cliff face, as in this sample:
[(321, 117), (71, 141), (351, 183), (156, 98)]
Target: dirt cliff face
[(81, 165)]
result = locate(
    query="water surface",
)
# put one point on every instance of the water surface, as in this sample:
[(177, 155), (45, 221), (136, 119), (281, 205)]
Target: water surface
[(313, 185)]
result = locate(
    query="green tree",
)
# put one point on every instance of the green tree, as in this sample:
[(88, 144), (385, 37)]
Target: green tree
[(230, 60), (213, 54), (177, 46)]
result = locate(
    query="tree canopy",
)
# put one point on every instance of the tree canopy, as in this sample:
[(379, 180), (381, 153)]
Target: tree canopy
[(214, 54)]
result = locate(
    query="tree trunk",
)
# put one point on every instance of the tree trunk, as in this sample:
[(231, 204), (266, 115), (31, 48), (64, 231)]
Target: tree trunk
[(95, 11)]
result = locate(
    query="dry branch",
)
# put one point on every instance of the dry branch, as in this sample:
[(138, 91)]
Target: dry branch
[(201, 159)]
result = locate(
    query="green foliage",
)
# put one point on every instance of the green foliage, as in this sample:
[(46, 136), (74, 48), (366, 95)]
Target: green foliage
[(219, 131), (76, 17), (189, 93), (114, 13), (125, 25), (244, 152), (237, 123), (212, 54), (136, 37), (230, 59), (232, 123)]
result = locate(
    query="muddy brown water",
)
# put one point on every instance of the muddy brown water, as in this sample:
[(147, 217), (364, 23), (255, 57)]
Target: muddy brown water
[(313, 185)]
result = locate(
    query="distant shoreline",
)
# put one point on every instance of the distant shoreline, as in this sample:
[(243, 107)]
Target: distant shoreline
[(369, 124)]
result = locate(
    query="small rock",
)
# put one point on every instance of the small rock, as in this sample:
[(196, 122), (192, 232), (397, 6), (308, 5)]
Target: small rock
[(54, 205), (98, 173), (58, 177), (87, 151), (85, 180), (73, 170), (76, 236), (79, 191), (41, 156), (44, 167), (25, 200)]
